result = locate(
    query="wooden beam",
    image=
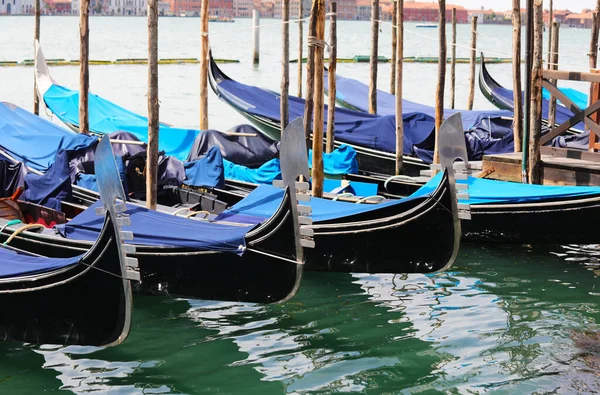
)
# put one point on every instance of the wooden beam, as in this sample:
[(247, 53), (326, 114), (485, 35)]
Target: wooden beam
[(439, 92), (399, 76), (472, 62), (570, 153), (310, 74), (204, 60), (300, 45), (285, 65), (153, 115), (535, 120), (374, 57), (594, 97), (394, 44), (36, 38), (550, 35), (516, 67), (317, 146), (255, 36), (593, 55), (571, 75), (453, 60), (84, 58), (331, 80), (553, 65)]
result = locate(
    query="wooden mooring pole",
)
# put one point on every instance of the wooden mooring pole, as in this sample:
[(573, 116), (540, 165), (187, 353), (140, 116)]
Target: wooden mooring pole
[(317, 146), (300, 46), (527, 91), (516, 67), (310, 74), (153, 117), (394, 44), (550, 28), (285, 64), (204, 60), (535, 118), (331, 79), (593, 55), (374, 54), (553, 65), (84, 77), (255, 36), (439, 91), (398, 67), (453, 60), (472, 62), (36, 38)]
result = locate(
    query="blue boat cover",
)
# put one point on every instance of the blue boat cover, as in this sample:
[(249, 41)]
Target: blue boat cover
[(14, 264), (153, 228), (577, 97), (206, 171), (33, 140), (263, 175), (262, 202), (107, 117), (52, 187), (482, 191), (356, 95)]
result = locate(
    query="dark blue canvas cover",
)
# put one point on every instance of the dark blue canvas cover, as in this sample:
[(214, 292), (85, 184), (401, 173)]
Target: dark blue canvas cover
[(52, 187), (33, 140), (14, 264), (153, 228), (206, 171)]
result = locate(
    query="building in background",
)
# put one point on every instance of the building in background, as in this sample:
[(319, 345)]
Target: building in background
[(243, 8), (583, 20), (219, 8), (16, 7)]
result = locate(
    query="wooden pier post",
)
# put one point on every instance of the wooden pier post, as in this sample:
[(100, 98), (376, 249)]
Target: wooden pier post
[(300, 46), (553, 65), (594, 41), (516, 67), (394, 44), (317, 146), (153, 117), (374, 54), (204, 60), (36, 38), (255, 37), (472, 62), (439, 91), (331, 79), (310, 74), (550, 27), (398, 67), (453, 61), (527, 91), (285, 64), (84, 77), (535, 119)]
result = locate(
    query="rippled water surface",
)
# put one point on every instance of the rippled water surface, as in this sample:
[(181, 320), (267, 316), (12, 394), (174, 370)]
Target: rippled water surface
[(503, 320)]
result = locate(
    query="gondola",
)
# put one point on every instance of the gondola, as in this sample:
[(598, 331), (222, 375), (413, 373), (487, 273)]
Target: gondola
[(178, 256), (81, 300)]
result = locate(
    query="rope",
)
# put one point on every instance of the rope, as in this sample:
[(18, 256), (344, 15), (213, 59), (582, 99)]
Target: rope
[(193, 213), (315, 42), (205, 34), (20, 230)]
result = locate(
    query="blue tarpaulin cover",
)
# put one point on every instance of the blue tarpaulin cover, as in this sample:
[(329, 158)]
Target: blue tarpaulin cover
[(262, 202), (107, 117), (206, 171), (579, 98), (33, 140), (356, 94), (13, 264), (482, 191), (52, 187), (154, 228)]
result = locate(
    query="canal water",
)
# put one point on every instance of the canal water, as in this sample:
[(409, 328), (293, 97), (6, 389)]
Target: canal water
[(503, 319)]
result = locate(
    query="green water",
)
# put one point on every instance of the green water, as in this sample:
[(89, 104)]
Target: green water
[(501, 320)]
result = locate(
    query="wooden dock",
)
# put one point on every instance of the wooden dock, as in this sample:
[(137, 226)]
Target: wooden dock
[(559, 167)]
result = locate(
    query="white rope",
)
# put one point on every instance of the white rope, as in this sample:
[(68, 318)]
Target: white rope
[(204, 34)]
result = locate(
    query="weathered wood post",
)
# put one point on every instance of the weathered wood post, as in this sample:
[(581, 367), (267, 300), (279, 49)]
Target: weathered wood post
[(331, 79), (527, 91), (204, 60), (285, 64), (516, 67), (553, 65), (300, 46), (453, 60), (398, 67), (535, 119), (550, 27), (310, 73), (317, 146), (593, 55), (374, 56), (84, 77), (255, 36), (153, 117), (36, 38), (394, 44), (472, 62), (439, 91)]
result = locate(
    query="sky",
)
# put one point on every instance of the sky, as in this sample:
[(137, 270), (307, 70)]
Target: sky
[(503, 5)]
